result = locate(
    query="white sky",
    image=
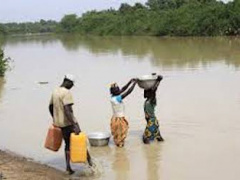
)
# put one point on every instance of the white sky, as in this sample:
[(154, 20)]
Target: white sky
[(30, 10)]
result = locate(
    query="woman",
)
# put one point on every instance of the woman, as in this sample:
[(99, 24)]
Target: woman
[(119, 125), (152, 129)]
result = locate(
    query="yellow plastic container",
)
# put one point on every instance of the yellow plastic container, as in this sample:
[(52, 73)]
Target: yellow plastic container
[(78, 148)]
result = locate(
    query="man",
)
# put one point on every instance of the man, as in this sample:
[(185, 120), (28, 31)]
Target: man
[(60, 108)]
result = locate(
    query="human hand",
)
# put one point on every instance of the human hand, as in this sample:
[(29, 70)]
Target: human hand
[(132, 80), (135, 82), (159, 78), (76, 129), (135, 79)]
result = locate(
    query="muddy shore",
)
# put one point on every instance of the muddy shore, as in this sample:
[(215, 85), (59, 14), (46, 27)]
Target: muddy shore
[(13, 166)]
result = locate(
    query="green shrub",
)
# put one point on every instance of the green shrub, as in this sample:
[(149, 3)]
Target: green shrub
[(3, 63)]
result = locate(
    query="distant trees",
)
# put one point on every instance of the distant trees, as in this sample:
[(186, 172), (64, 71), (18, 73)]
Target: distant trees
[(233, 17), (160, 18), (29, 27), (2, 30), (156, 17), (69, 23)]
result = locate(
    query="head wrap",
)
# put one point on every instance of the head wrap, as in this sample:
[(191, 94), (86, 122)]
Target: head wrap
[(114, 89), (70, 77)]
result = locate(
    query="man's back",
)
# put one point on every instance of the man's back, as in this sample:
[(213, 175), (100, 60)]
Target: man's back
[(61, 96)]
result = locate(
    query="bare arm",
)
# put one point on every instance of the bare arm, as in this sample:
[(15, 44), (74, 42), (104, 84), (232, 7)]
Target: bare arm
[(50, 107), (154, 88), (129, 90), (124, 88), (69, 113)]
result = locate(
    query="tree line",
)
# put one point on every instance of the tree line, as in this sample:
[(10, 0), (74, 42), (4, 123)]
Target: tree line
[(42, 26), (155, 17)]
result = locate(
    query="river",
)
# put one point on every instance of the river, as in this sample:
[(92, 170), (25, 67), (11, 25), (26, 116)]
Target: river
[(198, 102)]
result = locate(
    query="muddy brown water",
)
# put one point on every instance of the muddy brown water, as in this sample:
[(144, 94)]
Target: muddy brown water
[(198, 102)]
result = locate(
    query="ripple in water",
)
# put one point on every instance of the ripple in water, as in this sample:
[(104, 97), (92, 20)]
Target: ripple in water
[(89, 171)]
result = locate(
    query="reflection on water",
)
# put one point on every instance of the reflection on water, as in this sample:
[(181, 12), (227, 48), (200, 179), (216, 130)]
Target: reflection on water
[(121, 164), (198, 102), (153, 154), (37, 39), (170, 51), (1, 87), (162, 50)]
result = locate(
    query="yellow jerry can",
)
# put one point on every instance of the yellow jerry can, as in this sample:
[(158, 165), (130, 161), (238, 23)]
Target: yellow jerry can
[(78, 148)]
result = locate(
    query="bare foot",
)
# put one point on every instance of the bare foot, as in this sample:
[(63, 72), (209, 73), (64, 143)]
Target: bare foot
[(160, 139), (120, 145), (90, 162), (146, 141), (70, 171)]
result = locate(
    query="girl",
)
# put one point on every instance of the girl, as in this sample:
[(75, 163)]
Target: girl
[(119, 125), (152, 129)]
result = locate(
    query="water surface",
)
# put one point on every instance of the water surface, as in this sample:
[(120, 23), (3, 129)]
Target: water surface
[(198, 102)]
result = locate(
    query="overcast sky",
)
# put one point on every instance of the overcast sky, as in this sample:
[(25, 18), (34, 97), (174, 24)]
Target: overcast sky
[(33, 10)]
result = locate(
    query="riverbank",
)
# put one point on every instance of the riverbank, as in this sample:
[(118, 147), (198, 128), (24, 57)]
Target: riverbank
[(13, 166)]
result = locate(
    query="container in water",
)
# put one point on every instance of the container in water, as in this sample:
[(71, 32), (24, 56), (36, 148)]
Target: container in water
[(78, 148), (54, 138)]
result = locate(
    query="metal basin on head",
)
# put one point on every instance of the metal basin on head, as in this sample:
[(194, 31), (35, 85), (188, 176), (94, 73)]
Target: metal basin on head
[(147, 81)]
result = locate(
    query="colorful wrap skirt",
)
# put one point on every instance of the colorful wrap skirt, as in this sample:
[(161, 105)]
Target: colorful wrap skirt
[(119, 130), (152, 130)]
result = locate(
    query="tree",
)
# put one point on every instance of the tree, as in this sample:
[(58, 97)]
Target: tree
[(2, 30), (125, 8), (233, 9), (69, 23)]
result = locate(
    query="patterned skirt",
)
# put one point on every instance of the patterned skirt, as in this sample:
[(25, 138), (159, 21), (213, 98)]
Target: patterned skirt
[(152, 130), (119, 129)]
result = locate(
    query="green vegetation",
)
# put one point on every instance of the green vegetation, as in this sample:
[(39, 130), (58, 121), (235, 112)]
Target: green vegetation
[(29, 27), (160, 18), (2, 30), (156, 18), (3, 63)]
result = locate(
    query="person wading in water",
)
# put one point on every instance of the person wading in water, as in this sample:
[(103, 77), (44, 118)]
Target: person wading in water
[(152, 128), (60, 108), (119, 124)]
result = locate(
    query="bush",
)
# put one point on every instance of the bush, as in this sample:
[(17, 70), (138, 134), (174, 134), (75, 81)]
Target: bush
[(3, 63)]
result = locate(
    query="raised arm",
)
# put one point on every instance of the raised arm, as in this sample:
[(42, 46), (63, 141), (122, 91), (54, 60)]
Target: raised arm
[(129, 90), (159, 78), (124, 88)]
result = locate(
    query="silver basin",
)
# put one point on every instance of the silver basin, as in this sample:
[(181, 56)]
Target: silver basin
[(147, 81), (99, 138)]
